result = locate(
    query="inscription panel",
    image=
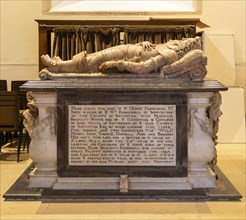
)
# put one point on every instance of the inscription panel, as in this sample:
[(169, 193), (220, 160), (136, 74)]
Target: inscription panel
[(122, 135)]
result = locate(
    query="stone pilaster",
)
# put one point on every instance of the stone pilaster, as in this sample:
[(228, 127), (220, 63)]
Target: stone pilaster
[(201, 147), (43, 146)]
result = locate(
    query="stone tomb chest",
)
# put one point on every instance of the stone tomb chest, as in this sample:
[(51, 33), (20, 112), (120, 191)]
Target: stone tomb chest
[(124, 134)]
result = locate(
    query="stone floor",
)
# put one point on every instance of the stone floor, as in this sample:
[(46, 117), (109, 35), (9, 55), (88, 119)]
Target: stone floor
[(231, 160)]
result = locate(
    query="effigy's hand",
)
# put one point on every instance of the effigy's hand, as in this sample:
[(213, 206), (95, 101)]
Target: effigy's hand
[(136, 59), (107, 65), (147, 45), (118, 65)]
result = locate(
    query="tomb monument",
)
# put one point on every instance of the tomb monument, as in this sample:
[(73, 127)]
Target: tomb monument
[(132, 121), (131, 117)]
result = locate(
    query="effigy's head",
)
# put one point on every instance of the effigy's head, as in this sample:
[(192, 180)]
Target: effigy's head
[(182, 47)]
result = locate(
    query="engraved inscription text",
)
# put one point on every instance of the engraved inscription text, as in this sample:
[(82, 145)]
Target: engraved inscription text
[(122, 135)]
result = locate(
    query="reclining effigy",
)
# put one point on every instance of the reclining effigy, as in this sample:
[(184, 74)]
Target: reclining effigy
[(182, 59)]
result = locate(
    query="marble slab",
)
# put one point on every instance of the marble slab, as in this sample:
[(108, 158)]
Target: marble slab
[(115, 83), (108, 134)]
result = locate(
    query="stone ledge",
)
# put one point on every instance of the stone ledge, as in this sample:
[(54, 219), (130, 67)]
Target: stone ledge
[(224, 191)]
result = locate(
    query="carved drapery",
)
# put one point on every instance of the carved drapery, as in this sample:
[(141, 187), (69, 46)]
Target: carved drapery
[(159, 34), (69, 41)]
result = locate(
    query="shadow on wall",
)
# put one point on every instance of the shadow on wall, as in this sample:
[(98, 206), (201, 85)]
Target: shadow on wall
[(221, 59), (232, 121)]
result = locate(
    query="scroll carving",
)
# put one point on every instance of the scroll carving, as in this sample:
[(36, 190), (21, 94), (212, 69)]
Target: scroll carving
[(214, 113), (32, 122)]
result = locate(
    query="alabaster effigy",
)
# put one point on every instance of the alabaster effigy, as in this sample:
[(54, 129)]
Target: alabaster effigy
[(174, 59)]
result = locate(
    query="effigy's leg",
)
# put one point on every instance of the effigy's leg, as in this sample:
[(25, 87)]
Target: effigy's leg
[(111, 55), (78, 64), (144, 67), (56, 64)]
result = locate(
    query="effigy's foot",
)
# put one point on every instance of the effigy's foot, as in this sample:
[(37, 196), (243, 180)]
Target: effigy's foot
[(53, 64), (46, 60)]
